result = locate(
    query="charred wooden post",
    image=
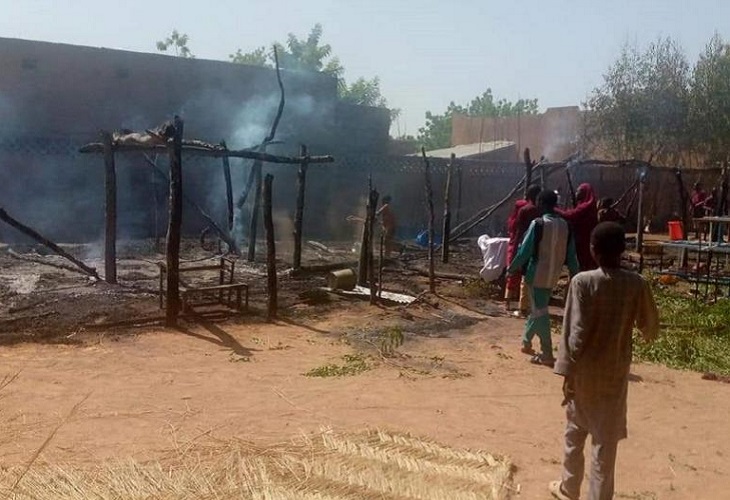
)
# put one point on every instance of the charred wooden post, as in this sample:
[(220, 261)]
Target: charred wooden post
[(381, 264), (459, 178), (110, 210), (447, 213), (156, 196), (4, 216), (271, 282), (640, 220), (254, 223), (362, 268), (257, 166), (372, 209), (542, 177), (229, 187), (723, 190), (571, 188), (299, 215), (431, 221), (528, 171), (174, 225)]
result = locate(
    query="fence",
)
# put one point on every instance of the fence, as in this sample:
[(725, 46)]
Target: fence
[(49, 185)]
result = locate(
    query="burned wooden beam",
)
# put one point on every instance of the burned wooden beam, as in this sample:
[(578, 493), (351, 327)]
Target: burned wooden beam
[(271, 281), (640, 222), (447, 212), (32, 233), (174, 226), (372, 210), (254, 220), (282, 100), (229, 187), (571, 188), (381, 264), (97, 147), (362, 268), (529, 164), (110, 210), (431, 220), (459, 179), (299, 214)]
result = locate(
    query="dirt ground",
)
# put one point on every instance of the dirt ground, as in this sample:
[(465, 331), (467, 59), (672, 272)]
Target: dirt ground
[(458, 378)]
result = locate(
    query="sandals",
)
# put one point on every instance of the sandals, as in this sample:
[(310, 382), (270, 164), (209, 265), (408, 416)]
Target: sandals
[(538, 359), (556, 488), (527, 349)]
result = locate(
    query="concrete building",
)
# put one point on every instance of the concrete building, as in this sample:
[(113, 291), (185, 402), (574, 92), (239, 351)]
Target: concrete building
[(553, 134)]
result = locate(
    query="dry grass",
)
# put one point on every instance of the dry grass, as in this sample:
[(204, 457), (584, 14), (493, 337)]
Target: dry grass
[(332, 466)]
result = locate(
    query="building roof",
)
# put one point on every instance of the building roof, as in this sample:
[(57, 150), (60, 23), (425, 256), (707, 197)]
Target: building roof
[(470, 150)]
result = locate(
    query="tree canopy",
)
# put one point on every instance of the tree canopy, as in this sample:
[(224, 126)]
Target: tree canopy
[(654, 105), (436, 134), (709, 105), (310, 54), (641, 109), (298, 54), (178, 43)]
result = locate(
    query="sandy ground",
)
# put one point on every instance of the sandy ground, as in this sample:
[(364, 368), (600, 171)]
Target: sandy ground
[(468, 387)]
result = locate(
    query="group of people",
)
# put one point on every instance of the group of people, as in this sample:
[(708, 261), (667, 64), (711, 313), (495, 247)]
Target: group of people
[(702, 202), (580, 220), (604, 304)]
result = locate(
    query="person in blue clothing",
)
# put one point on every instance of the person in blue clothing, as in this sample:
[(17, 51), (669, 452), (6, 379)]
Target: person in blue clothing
[(547, 246)]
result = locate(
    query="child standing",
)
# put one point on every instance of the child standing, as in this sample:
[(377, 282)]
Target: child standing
[(388, 223), (594, 356)]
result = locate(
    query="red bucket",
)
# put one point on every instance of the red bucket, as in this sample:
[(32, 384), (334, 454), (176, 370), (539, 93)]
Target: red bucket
[(675, 230)]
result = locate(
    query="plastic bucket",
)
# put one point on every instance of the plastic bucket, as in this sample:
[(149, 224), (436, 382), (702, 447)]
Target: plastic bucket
[(675, 230), (422, 238), (343, 279)]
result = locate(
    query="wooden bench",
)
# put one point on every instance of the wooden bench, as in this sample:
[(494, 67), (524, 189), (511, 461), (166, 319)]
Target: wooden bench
[(224, 292)]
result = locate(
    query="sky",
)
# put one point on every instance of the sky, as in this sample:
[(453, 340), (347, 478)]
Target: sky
[(426, 53)]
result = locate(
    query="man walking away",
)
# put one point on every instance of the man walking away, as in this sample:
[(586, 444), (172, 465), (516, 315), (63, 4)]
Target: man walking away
[(594, 356), (547, 246)]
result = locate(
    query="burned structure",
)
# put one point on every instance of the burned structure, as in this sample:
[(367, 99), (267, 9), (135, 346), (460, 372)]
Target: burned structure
[(56, 97)]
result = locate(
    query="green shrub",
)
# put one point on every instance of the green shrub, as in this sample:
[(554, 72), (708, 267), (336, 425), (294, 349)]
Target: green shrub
[(693, 335)]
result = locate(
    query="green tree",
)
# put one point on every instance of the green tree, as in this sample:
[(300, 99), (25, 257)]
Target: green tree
[(177, 42), (485, 105), (710, 101), (436, 133), (641, 110), (310, 54), (257, 57), (363, 92)]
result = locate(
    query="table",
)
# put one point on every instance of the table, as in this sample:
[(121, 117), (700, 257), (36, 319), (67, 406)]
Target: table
[(706, 252)]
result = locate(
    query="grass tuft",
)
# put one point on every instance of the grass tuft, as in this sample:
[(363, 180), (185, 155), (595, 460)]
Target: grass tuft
[(353, 364)]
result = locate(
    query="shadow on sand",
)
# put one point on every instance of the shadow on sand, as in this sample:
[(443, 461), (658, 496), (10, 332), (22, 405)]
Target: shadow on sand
[(218, 336)]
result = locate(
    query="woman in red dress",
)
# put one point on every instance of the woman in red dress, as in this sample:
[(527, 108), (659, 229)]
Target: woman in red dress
[(582, 219), (516, 229)]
